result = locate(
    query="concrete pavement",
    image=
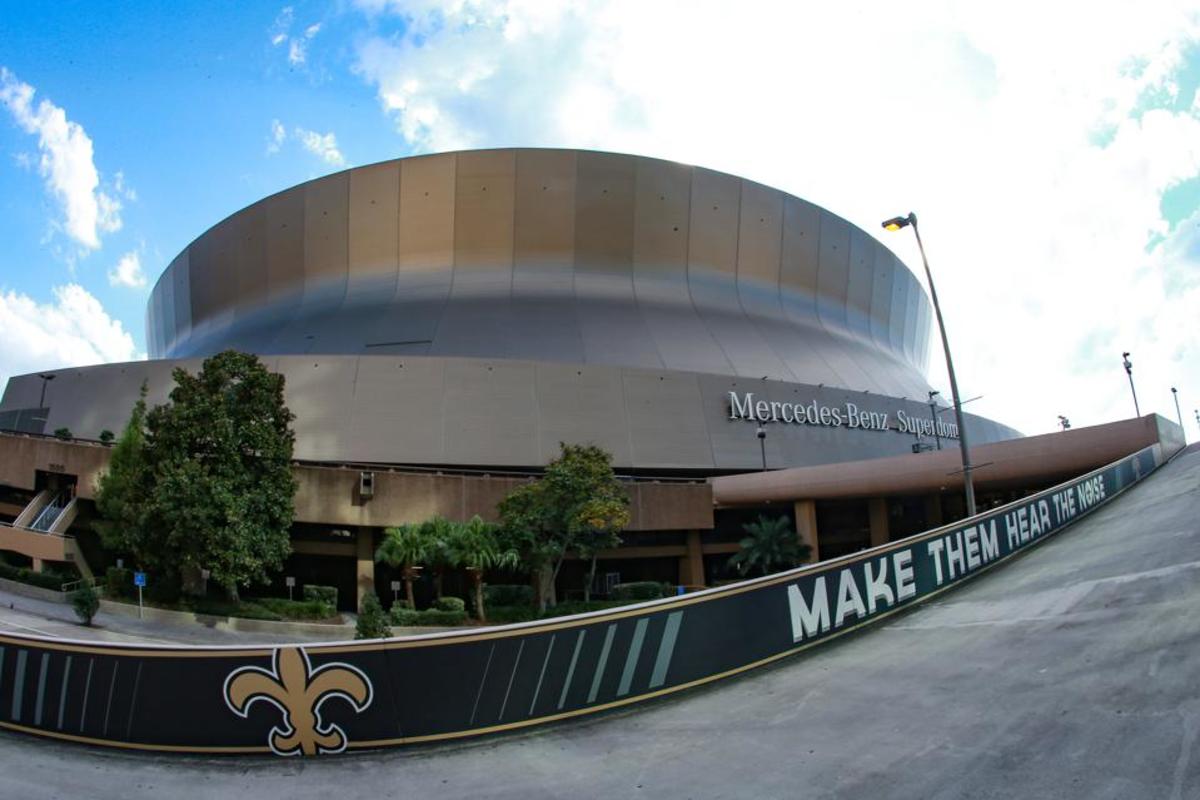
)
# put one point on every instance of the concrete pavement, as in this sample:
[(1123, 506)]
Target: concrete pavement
[(1068, 673)]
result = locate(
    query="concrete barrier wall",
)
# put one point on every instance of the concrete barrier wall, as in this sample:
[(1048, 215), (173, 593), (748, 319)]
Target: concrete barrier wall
[(324, 698)]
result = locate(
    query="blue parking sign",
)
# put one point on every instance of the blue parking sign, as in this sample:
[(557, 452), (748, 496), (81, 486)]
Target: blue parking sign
[(139, 579)]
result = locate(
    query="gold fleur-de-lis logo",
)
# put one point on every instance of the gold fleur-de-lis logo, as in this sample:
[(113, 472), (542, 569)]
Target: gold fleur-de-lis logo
[(298, 691)]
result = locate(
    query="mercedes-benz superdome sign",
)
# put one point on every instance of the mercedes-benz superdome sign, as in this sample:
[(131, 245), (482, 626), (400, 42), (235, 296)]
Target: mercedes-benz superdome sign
[(849, 415)]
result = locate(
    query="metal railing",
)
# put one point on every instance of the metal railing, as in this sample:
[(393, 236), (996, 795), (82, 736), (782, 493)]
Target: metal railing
[(49, 515)]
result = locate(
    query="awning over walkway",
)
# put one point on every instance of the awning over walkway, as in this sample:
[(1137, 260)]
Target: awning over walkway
[(1026, 462)]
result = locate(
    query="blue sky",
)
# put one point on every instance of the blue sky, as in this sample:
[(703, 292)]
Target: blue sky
[(1053, 153)]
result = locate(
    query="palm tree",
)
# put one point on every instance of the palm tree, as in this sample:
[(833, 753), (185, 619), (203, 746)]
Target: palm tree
[(404, 546), (771, 545), (476, 547), (438, 532)]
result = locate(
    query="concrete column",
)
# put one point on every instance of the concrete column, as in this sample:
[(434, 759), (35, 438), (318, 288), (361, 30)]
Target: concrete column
[(806, 527), (38, 565), (691, 566), (933, 511), (364, 553), (877, 509)]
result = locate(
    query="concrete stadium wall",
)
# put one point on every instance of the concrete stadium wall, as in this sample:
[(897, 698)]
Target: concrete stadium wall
[(508, 413), (325, 698)]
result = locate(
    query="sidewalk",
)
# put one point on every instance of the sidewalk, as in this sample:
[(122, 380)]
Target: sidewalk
[(26, 615)]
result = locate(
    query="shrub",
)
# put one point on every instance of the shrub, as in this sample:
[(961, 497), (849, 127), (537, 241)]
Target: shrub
[(404, 617), (106, 436), (86, 603), (507, 594), (118, 582), (401, 602), (372, 621), (45, 580), (323, 594), (450, 604), (501, 615), (639, 590), (297, 609), (227, 608), (62, 433), (407, 618), (438, 617), (580, 607)]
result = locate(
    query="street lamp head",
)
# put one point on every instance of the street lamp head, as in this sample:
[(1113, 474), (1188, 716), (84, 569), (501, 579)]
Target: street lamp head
[(1173, 390), (45, 376), (896, 223), (934, 394), (761, 432)]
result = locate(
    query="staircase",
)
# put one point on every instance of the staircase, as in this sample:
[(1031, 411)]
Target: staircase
[(40, 531)]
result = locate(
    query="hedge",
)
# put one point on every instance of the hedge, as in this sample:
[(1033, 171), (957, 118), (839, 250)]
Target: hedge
[(46, 580), (322, 594), (507, 594), (406, 617), (640, 590), (506, 614), (450, 604), (297, 609), (246, 609)]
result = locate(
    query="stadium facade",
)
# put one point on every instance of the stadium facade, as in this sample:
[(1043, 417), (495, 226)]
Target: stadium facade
[(454, 317)]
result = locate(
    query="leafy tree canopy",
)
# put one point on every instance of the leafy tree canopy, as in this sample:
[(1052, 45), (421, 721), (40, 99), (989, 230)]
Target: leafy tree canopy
[(209, 483), (577, 506)]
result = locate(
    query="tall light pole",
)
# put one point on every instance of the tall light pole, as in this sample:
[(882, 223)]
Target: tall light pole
[(895, 224), (761, 433), (1129, 372), (46, 378), (1178, 413)]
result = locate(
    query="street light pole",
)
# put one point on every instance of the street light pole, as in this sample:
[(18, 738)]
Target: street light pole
[(45, 379), (761, 433), (1129, 372), (896, 224), (1178, 413)]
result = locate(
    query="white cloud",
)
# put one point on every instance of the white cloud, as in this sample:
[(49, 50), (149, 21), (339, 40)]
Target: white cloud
[(128, 272), (73, 330), (278, 134), (323, 146), (1026, 148), (281, 25), (66, 163), (121, 188), (280, 33)]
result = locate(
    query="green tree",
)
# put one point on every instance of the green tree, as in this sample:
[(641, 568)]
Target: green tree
[(476, 547), (770, 546), (577, 506), (406, 547), (121, 492), (216, 488), (438, 533), (86, 603), (372, 621)]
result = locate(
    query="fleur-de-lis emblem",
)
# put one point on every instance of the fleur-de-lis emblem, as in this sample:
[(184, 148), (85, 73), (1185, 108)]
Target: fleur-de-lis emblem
[(298, 691)]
